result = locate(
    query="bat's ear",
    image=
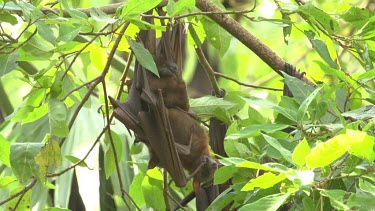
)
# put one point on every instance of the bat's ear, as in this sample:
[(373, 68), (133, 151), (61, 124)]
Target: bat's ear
[(196, 186)]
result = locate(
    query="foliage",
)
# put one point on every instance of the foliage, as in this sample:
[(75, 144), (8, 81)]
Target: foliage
[(53, 63)]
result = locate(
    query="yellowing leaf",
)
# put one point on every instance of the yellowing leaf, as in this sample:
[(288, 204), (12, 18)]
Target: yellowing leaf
[(50, 155), (362, 145), (356, 142)]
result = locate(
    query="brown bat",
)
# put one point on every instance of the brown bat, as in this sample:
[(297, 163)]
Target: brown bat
[(157, 112)]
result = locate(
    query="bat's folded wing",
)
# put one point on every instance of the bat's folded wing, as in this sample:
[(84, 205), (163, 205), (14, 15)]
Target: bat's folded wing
[(157, 129)]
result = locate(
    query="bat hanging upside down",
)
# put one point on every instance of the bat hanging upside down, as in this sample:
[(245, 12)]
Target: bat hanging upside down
[(157, 111)]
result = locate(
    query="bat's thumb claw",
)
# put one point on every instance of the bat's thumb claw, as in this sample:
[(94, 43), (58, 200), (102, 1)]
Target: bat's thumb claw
[(114, 102)]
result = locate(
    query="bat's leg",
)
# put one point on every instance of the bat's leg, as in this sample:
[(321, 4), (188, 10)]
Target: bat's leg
[(165, 190)]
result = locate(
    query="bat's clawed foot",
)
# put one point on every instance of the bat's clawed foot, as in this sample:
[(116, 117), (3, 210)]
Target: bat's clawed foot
[(223, 92), (207, 169)]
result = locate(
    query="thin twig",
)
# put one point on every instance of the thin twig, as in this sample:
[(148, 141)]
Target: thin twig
[(83, 48), (123, 76), (175, 201), (244, 84), (165, 189), (79, 87)]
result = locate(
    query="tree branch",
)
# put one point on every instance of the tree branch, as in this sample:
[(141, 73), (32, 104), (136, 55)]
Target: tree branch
[(245, 37)]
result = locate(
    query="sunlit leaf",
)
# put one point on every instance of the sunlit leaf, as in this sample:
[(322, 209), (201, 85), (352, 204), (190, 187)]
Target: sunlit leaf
[(217, 36), (264, 181), (134, 189), (137, 7), (4, 151), (153, 189), (300, 152), (356, 142)]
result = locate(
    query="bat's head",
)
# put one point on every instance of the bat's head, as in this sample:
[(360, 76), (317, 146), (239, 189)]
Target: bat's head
[(205, 173), (168, 69)]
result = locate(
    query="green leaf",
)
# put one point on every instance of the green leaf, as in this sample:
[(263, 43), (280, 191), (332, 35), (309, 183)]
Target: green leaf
[(253, 165), (143, 56), (300, 152), (76, 14), (275, 144), (286, 29), (224, 173), (302, 110), (50, 155), (5, 16), (299, 89), (100, 16), (267, 203), (217, 36), (361, 113), (367, 184), (37, 47), (136, 148), (134, 8), (208, 104), (23, 203), (342, 200), (321, 48), (357, 16), (4, 151), (328, 23), (22, 160), (264, 181), (179, 7), (75, 160), (109, 158), (152, 188), (6, 180), (288, 113), (57, 117), (98, 57), (254, 130), (134, 189), (46, 32), (68, 32), (8, 63)]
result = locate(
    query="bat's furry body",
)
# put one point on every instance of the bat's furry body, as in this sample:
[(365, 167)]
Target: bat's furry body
[(157, 111)]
